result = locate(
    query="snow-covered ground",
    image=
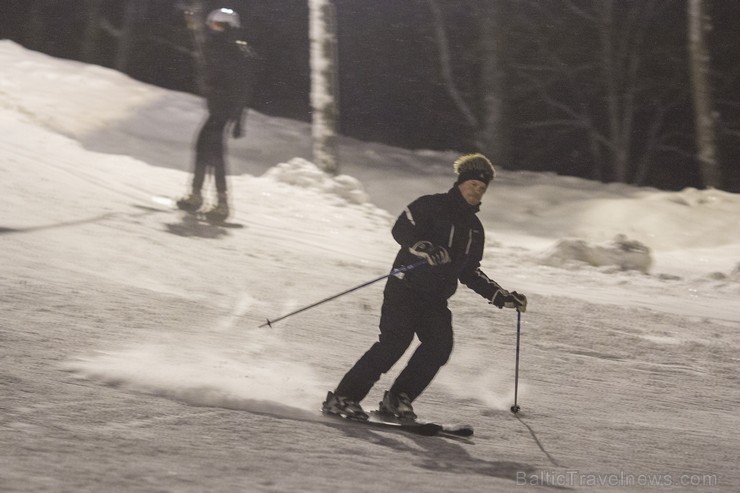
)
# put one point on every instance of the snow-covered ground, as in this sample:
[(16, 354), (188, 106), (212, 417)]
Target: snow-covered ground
[(131, 354)]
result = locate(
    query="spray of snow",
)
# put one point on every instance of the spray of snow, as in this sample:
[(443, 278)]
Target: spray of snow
[(208, 370), (489, 386), (223, 366)]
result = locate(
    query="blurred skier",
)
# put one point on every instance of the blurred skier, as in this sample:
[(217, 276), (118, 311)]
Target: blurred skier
[(442, 229), (230, 77)]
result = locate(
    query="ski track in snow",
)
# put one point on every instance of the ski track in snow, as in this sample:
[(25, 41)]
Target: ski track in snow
[(133, 361)]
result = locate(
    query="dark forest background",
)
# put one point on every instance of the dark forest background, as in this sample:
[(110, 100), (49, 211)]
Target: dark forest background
[(397, 86)]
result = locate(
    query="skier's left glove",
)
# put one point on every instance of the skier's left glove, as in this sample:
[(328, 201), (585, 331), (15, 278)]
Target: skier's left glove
[(433, 254), (505, 299)]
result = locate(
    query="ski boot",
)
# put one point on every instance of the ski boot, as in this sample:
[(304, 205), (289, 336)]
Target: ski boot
[(220, 211), (397, 405), (341, 406), (191, 203)]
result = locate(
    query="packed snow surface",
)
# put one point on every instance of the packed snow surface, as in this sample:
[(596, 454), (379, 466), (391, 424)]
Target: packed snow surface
[(133, 357)]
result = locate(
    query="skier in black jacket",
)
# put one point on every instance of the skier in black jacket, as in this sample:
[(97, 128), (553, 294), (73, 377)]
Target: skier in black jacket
[(442, 229), (230, 79)]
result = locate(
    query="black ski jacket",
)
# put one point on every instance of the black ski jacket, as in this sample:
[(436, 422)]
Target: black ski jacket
[(231, 73), (445, 220)]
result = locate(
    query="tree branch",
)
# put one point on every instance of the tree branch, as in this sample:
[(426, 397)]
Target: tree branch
[(443, 47)]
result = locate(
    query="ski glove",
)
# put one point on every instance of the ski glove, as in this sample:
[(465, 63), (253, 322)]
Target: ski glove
[(505, 299), (434, 255)]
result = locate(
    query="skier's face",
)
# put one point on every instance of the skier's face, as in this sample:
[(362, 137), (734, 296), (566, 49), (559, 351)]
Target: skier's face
[(472, 191), (218, 27)]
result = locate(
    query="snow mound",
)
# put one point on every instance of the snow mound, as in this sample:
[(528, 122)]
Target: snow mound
[(302, 173), (733, 276), (623, 253), (692, 197)]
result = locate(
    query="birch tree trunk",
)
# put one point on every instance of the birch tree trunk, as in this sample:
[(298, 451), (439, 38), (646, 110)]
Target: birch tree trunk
[(324, 90), (698, 24), (493, 131)]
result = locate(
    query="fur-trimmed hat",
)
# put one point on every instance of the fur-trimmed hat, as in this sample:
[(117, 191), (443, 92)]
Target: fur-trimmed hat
[(474, 167)]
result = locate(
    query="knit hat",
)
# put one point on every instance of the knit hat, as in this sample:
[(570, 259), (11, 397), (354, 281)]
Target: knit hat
[(474, 167)]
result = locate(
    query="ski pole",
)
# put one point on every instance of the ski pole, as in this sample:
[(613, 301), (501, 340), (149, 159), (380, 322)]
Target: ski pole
[(398, 270), (515, 407)]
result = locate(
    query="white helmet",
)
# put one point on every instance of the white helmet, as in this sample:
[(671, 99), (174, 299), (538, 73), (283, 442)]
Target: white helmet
[(223, 16)]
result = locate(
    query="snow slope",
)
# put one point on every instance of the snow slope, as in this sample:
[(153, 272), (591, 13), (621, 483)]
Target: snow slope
[(131, 354)]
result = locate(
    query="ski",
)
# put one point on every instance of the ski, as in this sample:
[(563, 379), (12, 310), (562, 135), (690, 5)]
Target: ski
[(425, 428), (460, 430), (194, 216)]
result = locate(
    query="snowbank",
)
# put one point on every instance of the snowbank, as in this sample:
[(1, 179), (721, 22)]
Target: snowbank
[(302, 173), (622, 253)]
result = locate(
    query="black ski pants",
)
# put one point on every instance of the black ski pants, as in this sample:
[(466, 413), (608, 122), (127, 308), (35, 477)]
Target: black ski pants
[(404, 314), (209, 153)]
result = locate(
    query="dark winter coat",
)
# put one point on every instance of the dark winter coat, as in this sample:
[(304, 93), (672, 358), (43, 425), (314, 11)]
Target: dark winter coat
[(230, 74), (446, 220)]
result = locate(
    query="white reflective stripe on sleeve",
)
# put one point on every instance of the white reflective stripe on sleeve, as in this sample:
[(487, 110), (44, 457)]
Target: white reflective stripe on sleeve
[(480, 274), (452, 233), (470, 241), (409, 216)]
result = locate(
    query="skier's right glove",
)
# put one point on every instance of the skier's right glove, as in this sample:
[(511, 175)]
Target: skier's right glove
[(505, 299), (433, 254)]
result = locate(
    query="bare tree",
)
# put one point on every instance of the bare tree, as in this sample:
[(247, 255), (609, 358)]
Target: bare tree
[(489, 123), (195, 18), (585, 66), (445, 66), (706, 138), (324, 82), (90, 40), (97, 22), (134, 12)]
